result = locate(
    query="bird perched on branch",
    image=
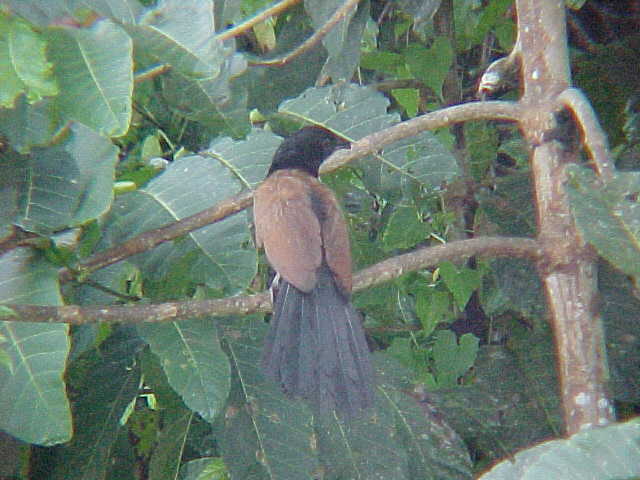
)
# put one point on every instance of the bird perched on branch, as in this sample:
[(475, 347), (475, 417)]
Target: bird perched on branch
[(316, 347)]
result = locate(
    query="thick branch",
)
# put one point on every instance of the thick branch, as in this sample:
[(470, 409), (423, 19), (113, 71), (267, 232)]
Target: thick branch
[(242, 305)]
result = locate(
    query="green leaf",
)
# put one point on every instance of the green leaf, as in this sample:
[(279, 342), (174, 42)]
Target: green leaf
[(217, 255), (272, 430), (27, 125), (433, 448), (452, 360), (195, 365), (461, 281), (430, 65), (60, 186), (23, 65), (433, 306), (207, 468), (33, 403), (386, 62), (97, 82), (405, 229), (105, 382), (604, 453), (408, 98), (609, 216)]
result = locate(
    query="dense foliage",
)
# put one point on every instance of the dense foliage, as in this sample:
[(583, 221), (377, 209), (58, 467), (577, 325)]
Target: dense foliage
[(121, 116)]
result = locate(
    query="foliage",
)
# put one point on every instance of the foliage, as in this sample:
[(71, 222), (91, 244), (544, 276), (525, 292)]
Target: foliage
[(96, 94)]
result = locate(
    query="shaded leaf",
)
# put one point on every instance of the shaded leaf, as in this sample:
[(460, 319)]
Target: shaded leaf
[(452, 357), (431, 65), (97, 82), (217, 255), (105, 382), (611, 452), (60, 186), (26, 125), (405, 229), (33, 403), (461, 281), (23, 66), (193, 361), (609, 216)]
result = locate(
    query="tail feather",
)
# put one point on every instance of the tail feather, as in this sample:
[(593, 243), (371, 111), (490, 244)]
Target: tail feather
[(316, 348)]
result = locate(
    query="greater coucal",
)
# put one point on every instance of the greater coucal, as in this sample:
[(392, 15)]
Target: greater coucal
[(316, 347)]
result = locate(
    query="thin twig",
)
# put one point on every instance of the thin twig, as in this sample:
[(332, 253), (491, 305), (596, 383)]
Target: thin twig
[(314, 39), (260, 17)]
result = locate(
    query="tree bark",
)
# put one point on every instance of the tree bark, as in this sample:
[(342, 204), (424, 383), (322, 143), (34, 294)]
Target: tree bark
[(568, 270)]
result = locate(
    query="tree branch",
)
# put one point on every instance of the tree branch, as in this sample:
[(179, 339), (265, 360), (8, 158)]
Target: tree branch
[(242, 305), (258, 18), (314, 39)]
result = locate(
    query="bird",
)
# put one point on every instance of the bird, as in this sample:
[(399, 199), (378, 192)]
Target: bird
[(315, 348)]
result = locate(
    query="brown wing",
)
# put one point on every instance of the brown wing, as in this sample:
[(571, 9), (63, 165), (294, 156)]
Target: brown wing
[(288, 228), (335, 238)]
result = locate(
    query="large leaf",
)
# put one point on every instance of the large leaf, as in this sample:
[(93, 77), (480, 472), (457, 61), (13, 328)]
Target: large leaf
[(182, 34), (195, 365), (104, 384), (60, 186), (33, 403), (28, 125), (23, 66), (355, 112), (609, 453), (269, 429), (45, 12), (217, 255), (97, 82), (499, 413), (609, 215), (396, 439)]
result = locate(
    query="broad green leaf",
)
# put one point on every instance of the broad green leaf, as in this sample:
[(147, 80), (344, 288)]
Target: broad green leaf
[(430, 65), (96, 82), (28, 125), (461, 281), (195, 365), (61, 186), (104, 383), (453, 359), (217, 255), (509, 205), (181, 33), (604, 453), (386, 62), (433, 306), (620, 309), (609, 216), (421, 10), (417, 162), (23, 65), (405, 229), (214, 102), (495, 413), (435, 450), (408, 98), (513, 284), (208, 468), (274, 432), (33, 402)]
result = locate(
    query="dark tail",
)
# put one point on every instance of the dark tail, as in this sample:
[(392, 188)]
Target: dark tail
[(316, 348)]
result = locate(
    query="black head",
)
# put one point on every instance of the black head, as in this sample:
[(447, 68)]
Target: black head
[(306, 149)]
